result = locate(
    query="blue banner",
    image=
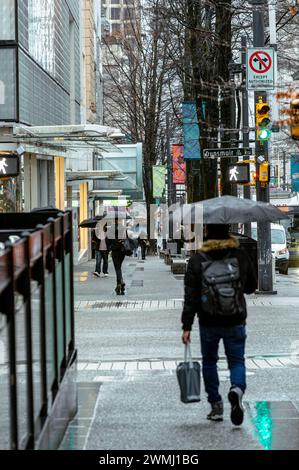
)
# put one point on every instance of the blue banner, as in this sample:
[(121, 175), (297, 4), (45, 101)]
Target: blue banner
[(295, 172), (191, 131)]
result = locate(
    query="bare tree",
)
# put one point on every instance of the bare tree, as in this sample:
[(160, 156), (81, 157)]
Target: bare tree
[(139, 96)]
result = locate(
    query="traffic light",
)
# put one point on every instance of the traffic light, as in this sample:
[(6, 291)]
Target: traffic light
[(253, 175), (264, 172), (263, 134), (262, 117), (295, 119)]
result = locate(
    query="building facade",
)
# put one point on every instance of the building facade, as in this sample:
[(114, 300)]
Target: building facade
[(40, 86)]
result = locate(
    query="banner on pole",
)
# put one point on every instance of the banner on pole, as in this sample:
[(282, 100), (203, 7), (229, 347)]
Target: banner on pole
[(191, 131), (159, 172), (178, 164), (295, 172)]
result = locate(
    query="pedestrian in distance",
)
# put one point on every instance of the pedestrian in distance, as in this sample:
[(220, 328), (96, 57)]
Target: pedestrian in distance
[(121, 245), (142, 243), (217, 277), (101, 242)]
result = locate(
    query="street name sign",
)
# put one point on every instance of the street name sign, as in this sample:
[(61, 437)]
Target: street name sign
[(226, 153), (9, 165), (260, 68), (239, 173)]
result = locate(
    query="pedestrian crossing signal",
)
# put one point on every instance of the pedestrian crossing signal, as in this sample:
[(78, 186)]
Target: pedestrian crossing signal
[(239, 173)]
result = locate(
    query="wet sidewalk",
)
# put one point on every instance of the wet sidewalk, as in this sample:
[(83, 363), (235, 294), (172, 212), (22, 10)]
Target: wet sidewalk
[(128, 349)]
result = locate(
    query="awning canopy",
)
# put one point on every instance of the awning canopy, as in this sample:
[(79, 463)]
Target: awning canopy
[(92, 174), (100, 193), (70, 137), (69, 130)]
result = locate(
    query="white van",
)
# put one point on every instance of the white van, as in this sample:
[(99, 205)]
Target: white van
[(278, 245)]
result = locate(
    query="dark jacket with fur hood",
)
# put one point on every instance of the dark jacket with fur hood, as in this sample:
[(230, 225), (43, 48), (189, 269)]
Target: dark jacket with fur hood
[(215, 249)]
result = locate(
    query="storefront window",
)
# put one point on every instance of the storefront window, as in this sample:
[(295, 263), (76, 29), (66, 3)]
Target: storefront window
[(7, 20), (7, 84), (8, 195)]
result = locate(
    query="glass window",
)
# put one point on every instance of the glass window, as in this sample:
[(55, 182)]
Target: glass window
[(7, 84), (254, 233), (278, 237), (7, 20), (4, 384), (115, 13), (41, 32), (128, 14)]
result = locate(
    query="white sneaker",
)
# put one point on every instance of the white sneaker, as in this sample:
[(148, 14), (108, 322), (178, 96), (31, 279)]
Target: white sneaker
[(106, 275), (97, 274)]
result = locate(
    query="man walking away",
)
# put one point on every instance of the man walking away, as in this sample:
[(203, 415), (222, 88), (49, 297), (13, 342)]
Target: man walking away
[(217, 277), (101, 251)]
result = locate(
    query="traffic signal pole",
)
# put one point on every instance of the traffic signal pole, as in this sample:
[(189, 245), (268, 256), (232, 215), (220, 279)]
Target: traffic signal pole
[(245, 121), (265, 278)]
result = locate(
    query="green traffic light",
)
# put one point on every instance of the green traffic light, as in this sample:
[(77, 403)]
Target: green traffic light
[(264, 134)]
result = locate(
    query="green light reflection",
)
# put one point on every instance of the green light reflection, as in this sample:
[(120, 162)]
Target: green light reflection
[(264, 424)]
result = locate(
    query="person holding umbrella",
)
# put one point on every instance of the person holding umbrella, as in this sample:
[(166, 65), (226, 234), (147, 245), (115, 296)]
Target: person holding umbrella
[(217, 278)]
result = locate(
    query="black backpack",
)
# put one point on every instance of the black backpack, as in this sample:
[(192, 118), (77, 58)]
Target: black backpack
[(221, 286)]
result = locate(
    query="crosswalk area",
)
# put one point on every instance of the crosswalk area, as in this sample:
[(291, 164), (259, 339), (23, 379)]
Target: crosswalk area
[(252, 363), (171, 304)]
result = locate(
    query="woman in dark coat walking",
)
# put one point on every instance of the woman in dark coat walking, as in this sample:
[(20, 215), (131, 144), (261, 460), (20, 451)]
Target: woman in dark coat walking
[(118, 252)]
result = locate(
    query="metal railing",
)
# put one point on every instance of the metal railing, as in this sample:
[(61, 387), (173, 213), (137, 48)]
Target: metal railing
[(37, 347)]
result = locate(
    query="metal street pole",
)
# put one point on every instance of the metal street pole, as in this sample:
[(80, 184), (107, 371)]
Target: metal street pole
[(245, 121), (233, 135), (265, 278)]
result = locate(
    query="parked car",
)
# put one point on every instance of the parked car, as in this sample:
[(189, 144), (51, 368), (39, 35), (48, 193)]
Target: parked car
[(278, 245)]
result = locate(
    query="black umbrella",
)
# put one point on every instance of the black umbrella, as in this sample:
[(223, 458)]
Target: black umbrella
[(90, 223), (228, 210), (115, 215)]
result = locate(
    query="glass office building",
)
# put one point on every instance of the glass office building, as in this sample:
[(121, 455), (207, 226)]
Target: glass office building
[(39, 86), (40, 62)]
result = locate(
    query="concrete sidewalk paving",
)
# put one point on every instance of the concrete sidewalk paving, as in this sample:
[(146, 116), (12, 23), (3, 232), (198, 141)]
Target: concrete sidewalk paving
[(128, 349)]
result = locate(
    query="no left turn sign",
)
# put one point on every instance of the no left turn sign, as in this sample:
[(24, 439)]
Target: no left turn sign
[(260, 69)]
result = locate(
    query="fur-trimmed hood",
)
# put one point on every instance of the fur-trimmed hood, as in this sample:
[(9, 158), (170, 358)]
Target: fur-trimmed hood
[(227, 244)]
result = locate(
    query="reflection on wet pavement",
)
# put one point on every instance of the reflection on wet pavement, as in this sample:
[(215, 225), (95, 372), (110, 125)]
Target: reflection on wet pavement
[(276, 424), (79, 427)]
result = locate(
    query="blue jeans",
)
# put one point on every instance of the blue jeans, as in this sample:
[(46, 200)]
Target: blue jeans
[(102, 255), (234, 345)]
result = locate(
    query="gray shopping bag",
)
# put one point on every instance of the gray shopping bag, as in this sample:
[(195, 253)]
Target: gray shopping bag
[(188, 374)]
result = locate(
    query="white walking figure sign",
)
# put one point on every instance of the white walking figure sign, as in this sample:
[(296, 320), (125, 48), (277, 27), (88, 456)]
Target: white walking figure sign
[(3, 166), (233, 173)]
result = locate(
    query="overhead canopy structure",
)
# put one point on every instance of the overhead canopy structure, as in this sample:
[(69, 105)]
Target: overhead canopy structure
[(70, 137), (92, 174), (69, 130), (106, 192)]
